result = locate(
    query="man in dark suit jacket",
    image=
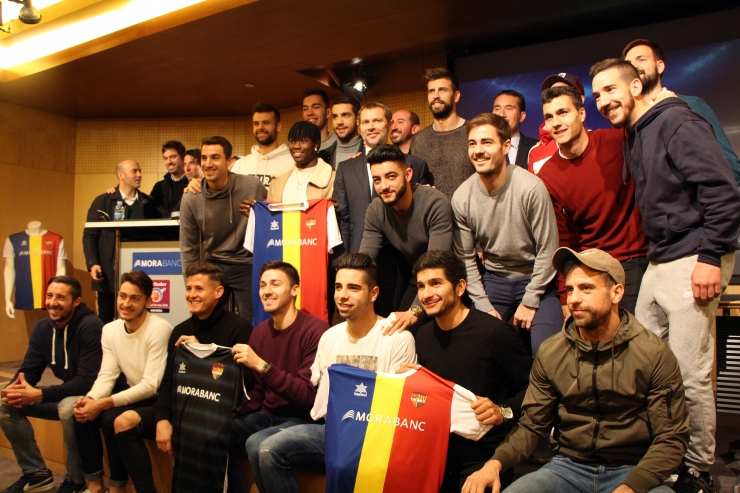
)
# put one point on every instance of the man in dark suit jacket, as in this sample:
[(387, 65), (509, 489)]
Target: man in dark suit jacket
[(353, 192), (511, 105)]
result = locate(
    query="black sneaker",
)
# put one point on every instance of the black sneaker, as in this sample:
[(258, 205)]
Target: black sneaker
[(69, 486), (37, 481), (691, 480)]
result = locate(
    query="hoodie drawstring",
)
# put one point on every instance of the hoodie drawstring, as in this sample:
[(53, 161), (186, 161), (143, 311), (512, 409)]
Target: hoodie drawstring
[(53, 345), (66, 359)]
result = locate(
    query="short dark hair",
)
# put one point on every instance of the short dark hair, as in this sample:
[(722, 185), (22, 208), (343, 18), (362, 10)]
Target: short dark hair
[(362, 262), (516, 94), (573, 262), (316, 92), (496, 121), (176, 145), (74, 284), (441, 73), (195, 153), (387, 152), (260, 107), (375, 105), (414, 118), (217, 140), (213, 272), (304, 130), (351, 100), (453, 267), (140, 279), (627, 71), (555, 92), (658, 52), (285, 268)]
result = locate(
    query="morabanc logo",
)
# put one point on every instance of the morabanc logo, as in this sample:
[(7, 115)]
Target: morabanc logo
[(418, 399), (217, 370)]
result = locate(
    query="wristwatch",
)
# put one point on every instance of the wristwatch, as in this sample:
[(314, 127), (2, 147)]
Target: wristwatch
[(265, 368), (507, 413), (416, 311)]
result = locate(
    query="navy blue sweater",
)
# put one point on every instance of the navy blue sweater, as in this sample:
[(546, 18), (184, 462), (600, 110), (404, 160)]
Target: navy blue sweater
[(76, 364), (684, 186)]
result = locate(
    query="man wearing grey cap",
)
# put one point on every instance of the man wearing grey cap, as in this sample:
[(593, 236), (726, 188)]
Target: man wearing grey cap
[(622, 422)]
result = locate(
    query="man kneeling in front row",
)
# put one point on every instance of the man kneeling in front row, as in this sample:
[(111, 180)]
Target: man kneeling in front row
[(617, 390)]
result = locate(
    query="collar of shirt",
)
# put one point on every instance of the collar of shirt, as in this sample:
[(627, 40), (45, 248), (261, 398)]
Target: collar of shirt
[(514, 147), (129, 201)]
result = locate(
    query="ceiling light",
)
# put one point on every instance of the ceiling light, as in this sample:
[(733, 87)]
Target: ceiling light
[(29, 14)]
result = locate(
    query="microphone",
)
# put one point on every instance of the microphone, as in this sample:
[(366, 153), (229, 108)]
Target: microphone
[(103, 213)]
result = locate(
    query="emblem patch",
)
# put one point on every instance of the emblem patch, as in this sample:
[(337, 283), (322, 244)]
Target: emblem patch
[(310, 223), (217, 370), (418, 399)]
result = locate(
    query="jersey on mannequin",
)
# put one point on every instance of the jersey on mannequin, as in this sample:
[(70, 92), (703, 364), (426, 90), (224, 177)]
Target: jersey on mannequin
[(11, 276)]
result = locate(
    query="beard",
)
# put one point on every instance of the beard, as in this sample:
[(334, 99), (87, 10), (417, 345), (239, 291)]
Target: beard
[(592, 321), (443, 112), (649, 81), (266, 140), (399, 194)]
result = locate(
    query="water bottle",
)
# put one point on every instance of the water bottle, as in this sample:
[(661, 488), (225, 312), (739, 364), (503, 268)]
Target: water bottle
[(120, 212)]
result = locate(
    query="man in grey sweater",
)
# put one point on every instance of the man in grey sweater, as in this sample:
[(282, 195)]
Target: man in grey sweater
[(443, 144), (507, 211), (213, 216), (412, 218)]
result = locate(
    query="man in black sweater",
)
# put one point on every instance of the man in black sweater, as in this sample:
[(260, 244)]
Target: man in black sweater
[(209, 323), (474, 350), (68, 342), (167, 192)]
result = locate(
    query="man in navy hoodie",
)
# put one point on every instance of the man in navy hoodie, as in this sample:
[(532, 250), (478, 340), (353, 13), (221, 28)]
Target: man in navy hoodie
[(69, 343), (689, 204)]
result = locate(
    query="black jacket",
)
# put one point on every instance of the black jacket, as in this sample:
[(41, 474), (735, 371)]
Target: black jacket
[(167, 194), (522, 153), (353, 195), (684, 186), (73, 353), (99, 245)]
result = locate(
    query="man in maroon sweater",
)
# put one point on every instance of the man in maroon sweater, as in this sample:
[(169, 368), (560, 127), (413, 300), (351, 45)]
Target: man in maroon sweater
[(592, 190), (280, 353)]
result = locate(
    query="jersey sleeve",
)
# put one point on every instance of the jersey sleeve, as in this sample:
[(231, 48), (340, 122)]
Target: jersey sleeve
[(333, 234), (62, 254), (462, 417), (8, 251), (249, 236), (322, 398)]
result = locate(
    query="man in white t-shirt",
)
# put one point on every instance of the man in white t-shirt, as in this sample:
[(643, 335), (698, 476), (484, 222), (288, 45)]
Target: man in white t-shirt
[(358, 342), (135, 347), (268, 159)]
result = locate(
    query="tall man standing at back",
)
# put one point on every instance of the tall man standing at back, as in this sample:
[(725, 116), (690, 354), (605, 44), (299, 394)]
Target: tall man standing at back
[(99, 244), (443, 144), (213, 216), (317, 110), (268, 159), (345, 111), (688, 200), (167, 192), (511, 105), (68, 342)]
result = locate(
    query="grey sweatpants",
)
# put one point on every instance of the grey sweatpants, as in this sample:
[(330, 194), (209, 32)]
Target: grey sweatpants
[(666, 307)]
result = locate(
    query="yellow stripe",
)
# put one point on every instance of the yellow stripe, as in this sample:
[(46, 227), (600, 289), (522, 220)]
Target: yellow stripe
[(292, 253), (376, 450), (34, 249)]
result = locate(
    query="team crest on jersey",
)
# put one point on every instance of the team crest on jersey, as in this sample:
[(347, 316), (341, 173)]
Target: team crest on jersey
[(49, 242), (182, 368), (24, 243), (217, 370), (361, 390), (274, 226), (310, 222), (418, 399)]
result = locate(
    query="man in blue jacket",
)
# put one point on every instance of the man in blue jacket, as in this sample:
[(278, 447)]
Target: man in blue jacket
[(68, 342), (688, 200)]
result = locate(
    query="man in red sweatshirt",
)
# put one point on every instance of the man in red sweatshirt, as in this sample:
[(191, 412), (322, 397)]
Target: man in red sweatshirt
[(592, 191)]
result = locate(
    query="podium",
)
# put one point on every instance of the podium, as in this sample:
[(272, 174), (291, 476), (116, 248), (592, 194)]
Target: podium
[(146, 245)]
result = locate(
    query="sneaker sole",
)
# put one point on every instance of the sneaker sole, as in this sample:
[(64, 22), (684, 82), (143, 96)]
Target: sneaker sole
[(40, 487)]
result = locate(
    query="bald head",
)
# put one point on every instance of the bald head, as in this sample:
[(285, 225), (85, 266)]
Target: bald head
[(129, 175)]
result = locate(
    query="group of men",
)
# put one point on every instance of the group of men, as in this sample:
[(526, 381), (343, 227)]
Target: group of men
[(608, 250)]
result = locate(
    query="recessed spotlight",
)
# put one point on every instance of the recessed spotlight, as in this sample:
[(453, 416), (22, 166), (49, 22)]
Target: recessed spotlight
[(249, 85)]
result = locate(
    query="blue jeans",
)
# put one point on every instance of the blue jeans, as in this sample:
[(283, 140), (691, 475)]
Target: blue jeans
[(506, 295), (19, 432), (300, 446), (563, 475)]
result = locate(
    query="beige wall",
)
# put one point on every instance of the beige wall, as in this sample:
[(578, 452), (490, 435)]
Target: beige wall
[(37, 161)]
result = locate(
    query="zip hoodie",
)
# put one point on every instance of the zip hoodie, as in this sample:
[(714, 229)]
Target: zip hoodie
[(73, 353), (684, 186), (613, 403), (214, 217), (264, 167)]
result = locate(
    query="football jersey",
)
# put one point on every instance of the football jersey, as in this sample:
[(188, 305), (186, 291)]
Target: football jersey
[(381, 427), (301, 234), (207, 386), (36, 258)]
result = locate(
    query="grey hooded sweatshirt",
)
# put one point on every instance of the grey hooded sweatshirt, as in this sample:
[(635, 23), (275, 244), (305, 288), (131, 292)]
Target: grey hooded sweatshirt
[(214, 218)]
